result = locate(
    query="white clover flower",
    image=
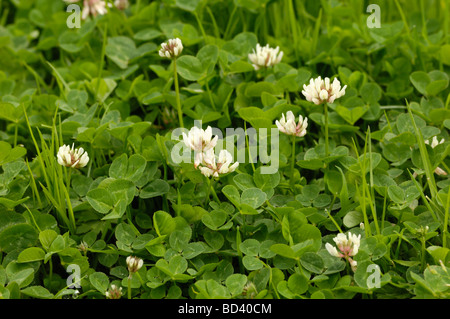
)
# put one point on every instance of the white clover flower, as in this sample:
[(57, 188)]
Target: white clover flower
[(434, 143), (171, 48), (70, 157), (121, 4), (319, 91), (211, 167), (134, 264), (114, 292), (348, 247), (92, 7), (265, 57), (200, 141), (288, 126)]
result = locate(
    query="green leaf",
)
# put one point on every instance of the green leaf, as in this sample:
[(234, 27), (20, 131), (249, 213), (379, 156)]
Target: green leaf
[(297, 284), (57, 245), (420, 80), (353, 218), (158, 187), (31, 254), (252, 263), (147, 34), (18, 237), (232, 193), (312, 262), (163, 222), (100, 281), (253, 197), (439, 82), (264, 181), (352, 110), (102, 88), (215, 219), (188, 5), (23, 277), (189, 67), (250, 247), (125, 233), (445, 54), (430, 83), (46, 237), (244, 181), (128, 168), (37, 292), (283, 250), (240, 67), (9, 154), (120, 50), (101, 200), (236, 283), (371, 92), (255, 116), (177, 264), (307, 232), (396, 194), (10, 112)]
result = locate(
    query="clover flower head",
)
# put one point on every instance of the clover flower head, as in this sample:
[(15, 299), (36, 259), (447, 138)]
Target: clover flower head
[(212, 167), (171, 49), (435, 142), (321, 90), (288, 126), (121, 4), (71, 157), (134, 263), (265, 57), (114, 292), (200, 141), (92, 7), (348, 247)]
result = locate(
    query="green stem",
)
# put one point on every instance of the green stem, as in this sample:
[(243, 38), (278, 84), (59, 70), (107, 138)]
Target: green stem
[(208, 191), (50, 263), (291, 180), (445, 231), (16, 129), (200, 25), (422, 257), (177, 91), (102, 60), (334, 221), (69, 173), (325, 109), (216, 198), (129, 286)]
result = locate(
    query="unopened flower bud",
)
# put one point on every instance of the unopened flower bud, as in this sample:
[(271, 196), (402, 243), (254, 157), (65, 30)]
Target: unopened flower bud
[(134, 264)]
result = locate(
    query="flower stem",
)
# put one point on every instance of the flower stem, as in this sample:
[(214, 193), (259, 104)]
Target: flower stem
[(325, 109), (216, 198), (291, 180), (208, 191), (129, 286), (177, 91)]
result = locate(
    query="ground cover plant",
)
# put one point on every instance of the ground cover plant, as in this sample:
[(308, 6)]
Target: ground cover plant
[(188, 149)]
